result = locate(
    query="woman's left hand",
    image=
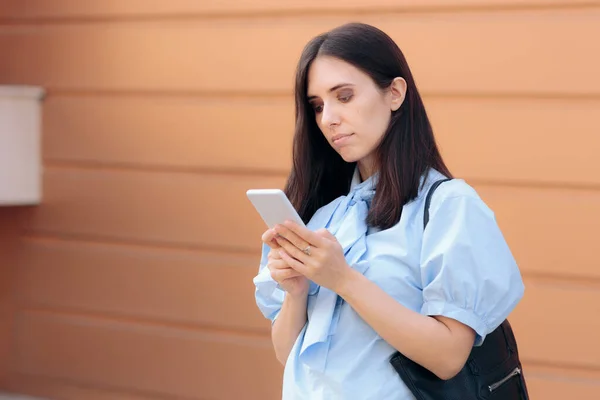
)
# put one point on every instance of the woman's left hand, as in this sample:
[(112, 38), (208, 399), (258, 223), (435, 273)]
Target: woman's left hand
[(316, 255)]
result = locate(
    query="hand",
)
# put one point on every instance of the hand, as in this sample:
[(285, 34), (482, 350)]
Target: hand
[(268, 238), (288, 279), (316, 255)]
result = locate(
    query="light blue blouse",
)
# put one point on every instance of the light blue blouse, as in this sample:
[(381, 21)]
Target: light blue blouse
[(459, 266)]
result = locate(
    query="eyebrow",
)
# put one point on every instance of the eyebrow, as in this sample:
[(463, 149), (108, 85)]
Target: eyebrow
[(336, 87)]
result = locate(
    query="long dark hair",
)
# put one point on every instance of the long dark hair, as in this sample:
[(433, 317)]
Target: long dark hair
[(407, 150)]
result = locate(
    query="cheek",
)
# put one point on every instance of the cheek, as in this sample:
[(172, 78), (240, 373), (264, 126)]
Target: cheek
[(321, 127), (375, 120)]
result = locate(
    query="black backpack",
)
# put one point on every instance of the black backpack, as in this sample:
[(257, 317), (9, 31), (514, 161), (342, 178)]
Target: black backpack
[(493, 370)]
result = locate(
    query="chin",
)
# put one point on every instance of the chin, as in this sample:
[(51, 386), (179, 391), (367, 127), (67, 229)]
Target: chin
[(349, 156), (349, 159)]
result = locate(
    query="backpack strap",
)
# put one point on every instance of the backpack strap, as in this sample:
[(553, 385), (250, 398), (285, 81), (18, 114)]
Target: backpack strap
[(428, 199)]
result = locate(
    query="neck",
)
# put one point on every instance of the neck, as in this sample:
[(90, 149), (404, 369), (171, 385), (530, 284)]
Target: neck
[(366, 168)]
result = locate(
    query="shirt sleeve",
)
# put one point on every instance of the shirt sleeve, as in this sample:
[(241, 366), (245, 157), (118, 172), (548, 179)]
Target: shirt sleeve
[(269, 297), (467, 269)]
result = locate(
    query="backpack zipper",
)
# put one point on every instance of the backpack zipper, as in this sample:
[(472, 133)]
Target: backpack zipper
[(514, 372)]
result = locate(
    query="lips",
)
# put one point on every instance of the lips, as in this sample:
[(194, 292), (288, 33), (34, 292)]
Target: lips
[(340, 137)]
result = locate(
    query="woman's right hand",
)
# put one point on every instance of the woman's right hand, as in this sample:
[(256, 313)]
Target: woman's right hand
[(288, 279)]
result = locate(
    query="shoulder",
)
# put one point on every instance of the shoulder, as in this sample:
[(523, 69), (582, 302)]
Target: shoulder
[(453, 195), (455, 188)]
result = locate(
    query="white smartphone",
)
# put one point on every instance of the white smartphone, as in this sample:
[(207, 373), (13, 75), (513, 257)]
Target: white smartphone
[(273, 206)]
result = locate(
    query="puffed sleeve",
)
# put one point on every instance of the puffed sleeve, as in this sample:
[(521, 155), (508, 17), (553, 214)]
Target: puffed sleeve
[(467, 269), (269, 297)]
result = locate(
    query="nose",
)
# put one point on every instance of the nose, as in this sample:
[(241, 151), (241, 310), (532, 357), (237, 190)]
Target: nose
[(330, 116)]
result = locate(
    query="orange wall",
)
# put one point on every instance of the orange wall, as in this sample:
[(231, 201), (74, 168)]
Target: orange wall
[(9, 241), (133, 279)]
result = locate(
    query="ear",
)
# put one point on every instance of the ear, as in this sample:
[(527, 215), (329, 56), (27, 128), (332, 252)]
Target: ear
[(398, 93)]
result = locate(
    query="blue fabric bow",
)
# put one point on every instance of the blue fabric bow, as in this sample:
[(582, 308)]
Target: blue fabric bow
[(345, 218)]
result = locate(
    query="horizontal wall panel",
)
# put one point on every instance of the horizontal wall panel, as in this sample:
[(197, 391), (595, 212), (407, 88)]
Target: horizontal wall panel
[(547, 319), (74, 8), (558, 388), (248, 133), (541, 141), (154, 359), (167, 285), (65, 389), (486, 139), (555, 382), (261, 53), (212, 211), (207, 210), (550, 231)]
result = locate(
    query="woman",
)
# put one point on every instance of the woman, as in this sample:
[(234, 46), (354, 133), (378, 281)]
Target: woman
[(364, 279)]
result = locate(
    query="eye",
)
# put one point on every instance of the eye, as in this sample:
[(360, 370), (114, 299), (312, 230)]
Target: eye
[(317, 108), (345, 98)]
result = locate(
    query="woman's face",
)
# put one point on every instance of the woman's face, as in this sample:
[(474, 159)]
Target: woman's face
[(350, 109)]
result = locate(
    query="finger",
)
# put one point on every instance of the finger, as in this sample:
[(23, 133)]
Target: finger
[(280, 275), (274, 255), (278, 264), (291, 237), (292, 262), (268, 238), (325, 234), (271, 235), (268, 235), (292, 250), (306, 234)]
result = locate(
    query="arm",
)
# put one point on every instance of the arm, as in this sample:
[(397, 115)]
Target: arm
[(291, 317), (287, 326), (440, 344)]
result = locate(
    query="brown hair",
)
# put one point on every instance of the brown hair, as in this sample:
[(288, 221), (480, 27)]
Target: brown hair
[(407, 150)]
